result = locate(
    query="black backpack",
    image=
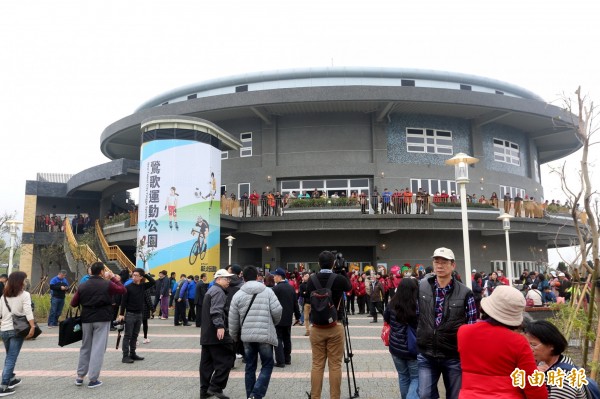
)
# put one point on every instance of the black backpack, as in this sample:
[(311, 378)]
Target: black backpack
[(322, 310)]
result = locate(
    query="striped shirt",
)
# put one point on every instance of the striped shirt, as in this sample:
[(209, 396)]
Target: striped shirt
[(567, 391)]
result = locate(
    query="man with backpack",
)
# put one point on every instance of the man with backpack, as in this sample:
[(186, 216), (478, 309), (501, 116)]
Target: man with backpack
[(325, 290)]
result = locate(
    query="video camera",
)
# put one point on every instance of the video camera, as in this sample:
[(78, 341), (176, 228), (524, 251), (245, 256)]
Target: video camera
[(119, 325), (339, 264)]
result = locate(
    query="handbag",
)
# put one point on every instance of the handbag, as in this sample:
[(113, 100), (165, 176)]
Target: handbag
[(21, 325), (69, 330), (385, 333)]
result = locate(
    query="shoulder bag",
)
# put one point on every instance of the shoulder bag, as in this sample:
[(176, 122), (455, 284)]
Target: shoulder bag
[(20, 323), (239, 337)]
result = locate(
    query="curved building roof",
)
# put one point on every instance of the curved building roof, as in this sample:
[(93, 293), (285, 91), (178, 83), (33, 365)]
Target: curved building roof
[(380, 91), (340, 76)]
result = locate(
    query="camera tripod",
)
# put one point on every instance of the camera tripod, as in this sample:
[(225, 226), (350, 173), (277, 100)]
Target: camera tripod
[(348, 355)]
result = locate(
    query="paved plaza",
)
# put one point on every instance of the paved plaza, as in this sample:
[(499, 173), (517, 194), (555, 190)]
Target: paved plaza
[(170, 369)]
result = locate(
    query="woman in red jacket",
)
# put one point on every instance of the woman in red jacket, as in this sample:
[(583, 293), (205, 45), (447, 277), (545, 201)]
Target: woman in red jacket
[(502, 373), (360, 291)]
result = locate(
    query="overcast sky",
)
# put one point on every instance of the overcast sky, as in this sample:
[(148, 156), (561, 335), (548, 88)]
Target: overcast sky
[(71, 68)]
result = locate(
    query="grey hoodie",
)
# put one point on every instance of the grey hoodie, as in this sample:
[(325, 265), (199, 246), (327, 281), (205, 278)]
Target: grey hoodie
[(265, 313)]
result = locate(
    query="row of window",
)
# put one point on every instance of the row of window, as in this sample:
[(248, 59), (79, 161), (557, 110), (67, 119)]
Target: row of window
[(345, 187), (418, 140)]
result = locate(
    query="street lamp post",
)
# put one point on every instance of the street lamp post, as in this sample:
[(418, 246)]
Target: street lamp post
[(230, 239), (461, 162), (505, 217), (12, 224)]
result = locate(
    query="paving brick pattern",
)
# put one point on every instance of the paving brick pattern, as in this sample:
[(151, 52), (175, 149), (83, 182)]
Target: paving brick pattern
[(170, 369)]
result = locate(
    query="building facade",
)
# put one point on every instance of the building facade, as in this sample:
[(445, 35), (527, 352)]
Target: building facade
[(341, 131)]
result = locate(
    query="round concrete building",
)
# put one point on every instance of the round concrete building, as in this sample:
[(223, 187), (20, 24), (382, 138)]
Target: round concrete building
[(344, 132)]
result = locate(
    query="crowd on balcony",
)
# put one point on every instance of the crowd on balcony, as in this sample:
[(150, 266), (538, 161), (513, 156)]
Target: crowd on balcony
[(399, 202), (55, 223)]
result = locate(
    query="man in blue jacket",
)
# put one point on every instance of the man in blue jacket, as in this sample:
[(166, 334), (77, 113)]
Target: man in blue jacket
[(191, 293), (181, 301), (58, 287)]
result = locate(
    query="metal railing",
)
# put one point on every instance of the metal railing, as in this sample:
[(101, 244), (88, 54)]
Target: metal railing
[(80, 252), (113, 252)]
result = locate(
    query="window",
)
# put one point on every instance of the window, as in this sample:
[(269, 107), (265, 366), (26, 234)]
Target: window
[(243, 188), (507, 152), (246, 139), (224, 154), (429, 141), (465, 87), (512, 191), (339, 186), (407, 82), (433, 185), (192, 96), (240, 89), (500, 92)]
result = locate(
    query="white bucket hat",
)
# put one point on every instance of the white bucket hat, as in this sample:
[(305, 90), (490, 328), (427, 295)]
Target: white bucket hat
[(505, 305)]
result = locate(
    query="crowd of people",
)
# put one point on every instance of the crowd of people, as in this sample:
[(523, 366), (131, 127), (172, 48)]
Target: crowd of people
[(399, 201), (437, 325), (54, 223)]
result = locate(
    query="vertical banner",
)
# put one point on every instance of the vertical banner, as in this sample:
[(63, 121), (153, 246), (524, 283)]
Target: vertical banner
[(179, 207)]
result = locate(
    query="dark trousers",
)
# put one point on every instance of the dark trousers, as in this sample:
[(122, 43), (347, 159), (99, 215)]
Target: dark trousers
[(155, 304), (361, 301), (283, 351), (350, 304), (199, 315), (216, 362), (376, 307), (180, 312), (191, 311), (133, 322)]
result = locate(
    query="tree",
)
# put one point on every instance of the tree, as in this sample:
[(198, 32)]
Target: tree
[(581, 192), (5, 236)]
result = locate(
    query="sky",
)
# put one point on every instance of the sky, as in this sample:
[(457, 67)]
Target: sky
[(71, 68)]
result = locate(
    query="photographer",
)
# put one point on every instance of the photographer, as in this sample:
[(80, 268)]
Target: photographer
[(95, 298), (327, 340), (133, 302)]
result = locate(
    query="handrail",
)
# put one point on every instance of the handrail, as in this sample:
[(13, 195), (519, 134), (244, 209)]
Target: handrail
[(113, 252), (80, 252)]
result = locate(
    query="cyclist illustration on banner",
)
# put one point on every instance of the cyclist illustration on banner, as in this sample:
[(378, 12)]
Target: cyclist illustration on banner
[(199, 246), (171, 207)]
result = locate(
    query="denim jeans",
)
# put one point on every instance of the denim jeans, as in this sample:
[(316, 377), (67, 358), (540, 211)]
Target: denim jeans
[(12, 344), (429, 373), (408, 377), (56, 308), (258, 387)]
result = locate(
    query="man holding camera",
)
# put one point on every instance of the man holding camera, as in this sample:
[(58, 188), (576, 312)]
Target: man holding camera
[(95, 298), (327, 340), (133, 302)]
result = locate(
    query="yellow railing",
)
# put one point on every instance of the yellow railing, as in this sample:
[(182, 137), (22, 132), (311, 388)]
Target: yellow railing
[(133, 218), (113, 252), (80, 252)]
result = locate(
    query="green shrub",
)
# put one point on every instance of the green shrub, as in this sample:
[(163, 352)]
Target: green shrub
[(457, 205), (42, 307), (322, 202)]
